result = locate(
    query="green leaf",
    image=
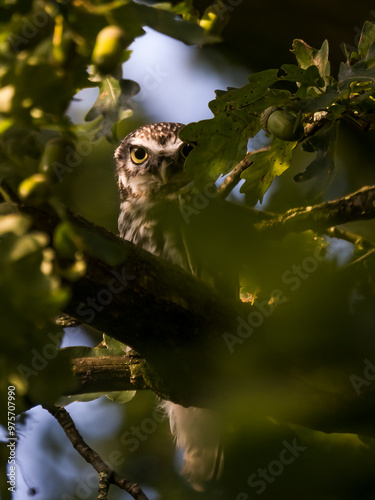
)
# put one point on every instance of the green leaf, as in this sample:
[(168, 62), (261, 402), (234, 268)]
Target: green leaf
[(26, 245), (366, 40), (55, 376), (5, 124), (121, 397), (222, 141), (309, 77), (363, 71), (187, 10), (214, 21), (63, 240), (14, 223), (113, 104), (319, 102), (257, 86), (112, 93), (318, 167), (31, 295), (114, 345), (307, 56), (93, 243), (324, 139), (277, 256), (81, 398), (265, 167), (80, 351), (221, 144), (167, 23), (359, 72)]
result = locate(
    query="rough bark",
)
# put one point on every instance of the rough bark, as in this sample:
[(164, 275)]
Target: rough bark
[(356, 206)]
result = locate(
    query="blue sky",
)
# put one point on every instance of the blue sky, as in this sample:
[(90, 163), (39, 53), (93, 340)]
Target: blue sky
[(177, 81)]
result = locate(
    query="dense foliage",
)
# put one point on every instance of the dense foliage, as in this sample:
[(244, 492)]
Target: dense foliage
[(318, 136)]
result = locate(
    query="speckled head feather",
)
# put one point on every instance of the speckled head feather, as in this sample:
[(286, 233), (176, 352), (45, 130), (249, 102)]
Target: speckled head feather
[(164, 131), (162, 149)]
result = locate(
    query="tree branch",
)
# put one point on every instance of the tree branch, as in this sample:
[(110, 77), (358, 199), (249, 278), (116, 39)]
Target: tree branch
[(341, 413), (106, 474), (108, 373), (356, 206), (168, 316)]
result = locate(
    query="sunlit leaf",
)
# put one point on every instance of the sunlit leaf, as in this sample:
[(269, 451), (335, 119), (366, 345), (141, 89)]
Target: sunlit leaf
[(366, 40), (222, 143), (166, 22), (308, 56), (265, 167), (114, 345)]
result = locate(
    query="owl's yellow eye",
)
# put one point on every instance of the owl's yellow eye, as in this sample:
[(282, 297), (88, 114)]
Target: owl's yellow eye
[(138, 154), (185, 150)]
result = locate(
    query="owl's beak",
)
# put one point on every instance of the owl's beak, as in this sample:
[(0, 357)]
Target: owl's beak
[(166, 171)]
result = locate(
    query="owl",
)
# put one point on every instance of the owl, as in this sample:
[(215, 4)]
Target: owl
[(150, 170)]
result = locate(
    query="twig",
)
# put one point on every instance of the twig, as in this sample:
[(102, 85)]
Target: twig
[(106, 475), (318, 121), (355, 239), (363, 258), (234, 177)]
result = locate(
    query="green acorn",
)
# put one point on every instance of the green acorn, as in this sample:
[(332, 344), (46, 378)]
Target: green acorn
[(109, 47), (35, 189), (214, 22), (281, 124), (56, 151)]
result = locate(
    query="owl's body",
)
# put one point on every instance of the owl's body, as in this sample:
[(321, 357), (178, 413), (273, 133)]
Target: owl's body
[(150, 173), (149, 189)]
